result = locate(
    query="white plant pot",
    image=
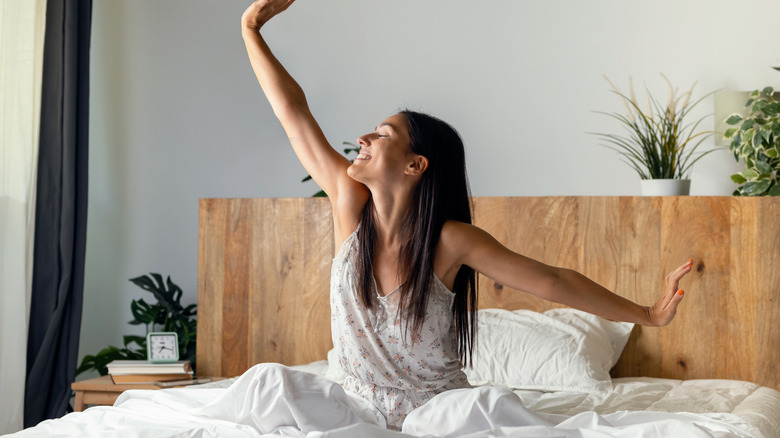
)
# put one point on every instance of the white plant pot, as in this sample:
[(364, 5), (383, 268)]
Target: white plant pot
[(665, 187)]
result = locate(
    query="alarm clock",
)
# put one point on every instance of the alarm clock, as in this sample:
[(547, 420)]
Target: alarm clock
[(162, 347)]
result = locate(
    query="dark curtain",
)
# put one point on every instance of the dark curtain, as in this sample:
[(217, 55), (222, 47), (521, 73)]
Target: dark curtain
[(61, 212)]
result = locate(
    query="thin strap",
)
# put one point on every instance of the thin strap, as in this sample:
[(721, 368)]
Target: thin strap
[(384, 297), (376, 288)]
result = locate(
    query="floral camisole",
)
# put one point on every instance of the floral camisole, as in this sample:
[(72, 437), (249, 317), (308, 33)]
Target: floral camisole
[(381, 365)]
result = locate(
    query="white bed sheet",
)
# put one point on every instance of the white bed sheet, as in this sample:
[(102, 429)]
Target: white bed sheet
[(637, 407), (754, 409)]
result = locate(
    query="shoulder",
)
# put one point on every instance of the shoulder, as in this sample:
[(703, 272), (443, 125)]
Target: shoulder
[(459, 244), (455, 233), (467, 244), (452, 231)]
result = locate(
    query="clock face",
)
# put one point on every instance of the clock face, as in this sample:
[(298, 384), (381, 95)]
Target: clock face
[(163, 347)]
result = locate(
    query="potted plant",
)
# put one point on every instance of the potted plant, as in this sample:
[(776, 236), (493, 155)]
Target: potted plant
[(659, 144), (167, 314), (755, 139)]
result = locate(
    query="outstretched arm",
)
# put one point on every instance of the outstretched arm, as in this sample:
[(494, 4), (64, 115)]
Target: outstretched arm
[(486, 255), (326, 166)]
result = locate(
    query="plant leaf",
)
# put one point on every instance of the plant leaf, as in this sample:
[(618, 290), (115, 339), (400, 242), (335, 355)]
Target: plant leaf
[(772, 109), (756, 139), (749, 174), (748, 189), (190, 310), (733, 119), (763, 167), (767, 135), (138, 340), (175, 293), (761, 187), (143, 312), (739, 179)]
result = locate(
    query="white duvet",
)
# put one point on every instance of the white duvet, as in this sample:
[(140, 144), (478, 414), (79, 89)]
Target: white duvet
[(636, 407)]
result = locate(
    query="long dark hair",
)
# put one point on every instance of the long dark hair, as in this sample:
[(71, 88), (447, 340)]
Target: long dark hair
[(442, 194)]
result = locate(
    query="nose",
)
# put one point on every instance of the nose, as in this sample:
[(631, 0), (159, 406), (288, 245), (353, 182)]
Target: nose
[(363, 140)]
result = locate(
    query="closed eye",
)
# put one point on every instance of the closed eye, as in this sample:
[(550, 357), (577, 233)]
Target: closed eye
[(387, 126)]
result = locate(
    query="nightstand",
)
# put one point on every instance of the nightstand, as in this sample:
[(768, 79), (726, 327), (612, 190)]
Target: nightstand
[(103, 391)]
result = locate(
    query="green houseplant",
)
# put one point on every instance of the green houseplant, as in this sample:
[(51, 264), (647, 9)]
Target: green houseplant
[(755, 139), (166, 314), (659, 143)]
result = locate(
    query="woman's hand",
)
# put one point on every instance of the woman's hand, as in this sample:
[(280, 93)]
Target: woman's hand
[(663, 311), (259, 12)]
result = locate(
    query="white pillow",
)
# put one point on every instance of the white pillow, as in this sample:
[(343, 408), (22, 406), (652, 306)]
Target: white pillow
[(558, 350)]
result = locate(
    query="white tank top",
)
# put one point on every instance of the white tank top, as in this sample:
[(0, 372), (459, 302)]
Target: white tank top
[(381, 365)]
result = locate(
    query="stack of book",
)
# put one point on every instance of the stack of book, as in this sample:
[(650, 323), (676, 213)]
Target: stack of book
[(141, 371)]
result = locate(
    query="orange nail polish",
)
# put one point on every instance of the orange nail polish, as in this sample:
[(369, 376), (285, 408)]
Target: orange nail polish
[(680, 292)]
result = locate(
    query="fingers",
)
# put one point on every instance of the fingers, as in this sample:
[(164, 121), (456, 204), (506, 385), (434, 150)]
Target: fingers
[(287, 5), (260, 11), (676, 298), (671, 308), (674, 277), (685, 268), (666, 307), (281, 5), (671, 297)]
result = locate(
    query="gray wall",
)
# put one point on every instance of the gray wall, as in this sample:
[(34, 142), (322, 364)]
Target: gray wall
[(177, 114)]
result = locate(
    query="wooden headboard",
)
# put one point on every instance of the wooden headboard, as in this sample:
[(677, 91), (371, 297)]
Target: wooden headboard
[(264, 268)]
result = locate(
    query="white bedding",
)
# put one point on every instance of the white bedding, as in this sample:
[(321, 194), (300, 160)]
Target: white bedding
[(556, 364), (636, 407)]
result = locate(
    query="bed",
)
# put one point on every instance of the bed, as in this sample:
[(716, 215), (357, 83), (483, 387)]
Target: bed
[(263, 272)]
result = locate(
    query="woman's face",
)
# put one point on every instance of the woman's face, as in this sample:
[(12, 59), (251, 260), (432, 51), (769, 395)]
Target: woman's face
[(385, 154)]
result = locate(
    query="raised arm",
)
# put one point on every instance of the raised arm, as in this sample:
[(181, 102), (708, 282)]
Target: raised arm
[(326, 166), (484, 254)]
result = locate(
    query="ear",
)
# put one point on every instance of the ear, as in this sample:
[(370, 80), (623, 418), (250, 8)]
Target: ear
[(417, 166)]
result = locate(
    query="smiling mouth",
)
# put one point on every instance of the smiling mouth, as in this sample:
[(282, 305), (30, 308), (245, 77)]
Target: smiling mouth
[(363, 156)]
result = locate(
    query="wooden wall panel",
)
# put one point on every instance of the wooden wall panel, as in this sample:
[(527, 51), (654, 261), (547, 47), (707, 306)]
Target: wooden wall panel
[(744, 218), (639, 274), (210, 290), (263, 283), (314, 333), (278, 248), (696, 227), (237, 269), (766, 295), (264, 269)]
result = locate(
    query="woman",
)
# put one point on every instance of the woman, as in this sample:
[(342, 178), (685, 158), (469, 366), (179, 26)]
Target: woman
[(402, 289)]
